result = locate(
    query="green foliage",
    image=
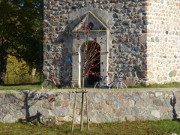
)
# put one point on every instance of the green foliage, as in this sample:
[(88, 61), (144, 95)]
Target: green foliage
[(18, 72), (21, 30), (164, 127)]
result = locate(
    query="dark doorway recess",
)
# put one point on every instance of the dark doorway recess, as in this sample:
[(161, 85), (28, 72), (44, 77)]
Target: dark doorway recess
[(93, 51)]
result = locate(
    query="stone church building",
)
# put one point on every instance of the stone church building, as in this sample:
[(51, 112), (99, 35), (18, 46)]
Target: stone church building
[(139, 39)]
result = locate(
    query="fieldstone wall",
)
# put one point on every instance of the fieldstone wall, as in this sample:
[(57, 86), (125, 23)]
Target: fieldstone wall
[(144, 40), (127, 40), (163, 41), (104, 105)]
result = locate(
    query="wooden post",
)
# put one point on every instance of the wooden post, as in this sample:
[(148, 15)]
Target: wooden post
[(82, 111), (84, 95), (74, 112), (87, 111)]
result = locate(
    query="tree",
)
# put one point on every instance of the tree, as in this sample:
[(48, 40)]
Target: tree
[(90, 54), (90, 60), (20, 32)]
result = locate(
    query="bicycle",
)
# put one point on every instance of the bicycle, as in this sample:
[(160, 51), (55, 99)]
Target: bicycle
[(104, 84), (50, 83)]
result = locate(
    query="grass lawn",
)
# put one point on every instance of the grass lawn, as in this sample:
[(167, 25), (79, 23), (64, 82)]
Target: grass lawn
[(165, 127), (21, 87), (38, 86), (167, 85), (26, 87)]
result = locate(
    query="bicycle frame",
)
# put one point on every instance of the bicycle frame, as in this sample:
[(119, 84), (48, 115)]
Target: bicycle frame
[(53, 80), (61, 84), (112, 83)]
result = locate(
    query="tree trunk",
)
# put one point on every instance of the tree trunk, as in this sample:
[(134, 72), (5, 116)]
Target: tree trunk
[(33, 72), (3, 64)]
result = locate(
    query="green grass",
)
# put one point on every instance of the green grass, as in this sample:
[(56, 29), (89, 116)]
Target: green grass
[(165, 127), (21, 87), (38, 86), (26, 87), (167, 85)]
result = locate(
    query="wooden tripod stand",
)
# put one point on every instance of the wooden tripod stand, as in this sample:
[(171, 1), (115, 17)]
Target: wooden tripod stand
[(84, 96)]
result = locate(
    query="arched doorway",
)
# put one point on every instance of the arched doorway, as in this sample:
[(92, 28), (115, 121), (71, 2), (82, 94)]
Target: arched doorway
[(90, 63), (98, 32)]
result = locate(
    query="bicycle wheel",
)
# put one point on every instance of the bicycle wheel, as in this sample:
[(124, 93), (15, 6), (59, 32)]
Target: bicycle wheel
[(47, 84), (121, 85), (97, 85)]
